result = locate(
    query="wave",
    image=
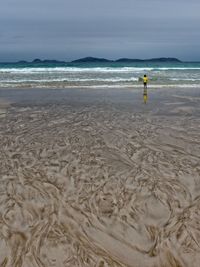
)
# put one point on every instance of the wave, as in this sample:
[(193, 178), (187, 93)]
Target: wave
[(92, 80), (93, 86), (71, 69), (117, 79), (92, 69), (176, 68), (184, 79)]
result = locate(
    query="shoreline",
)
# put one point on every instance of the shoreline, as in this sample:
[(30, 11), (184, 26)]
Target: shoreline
[(122, 96), (105, 87)]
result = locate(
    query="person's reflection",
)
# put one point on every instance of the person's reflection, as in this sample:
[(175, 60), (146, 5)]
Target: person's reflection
[(145, 96)]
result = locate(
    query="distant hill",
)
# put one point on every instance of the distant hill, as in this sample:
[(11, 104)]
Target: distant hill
[(165, 59), (91, 59), (162, 59), (48, 61), (125, 60), (98, 60)]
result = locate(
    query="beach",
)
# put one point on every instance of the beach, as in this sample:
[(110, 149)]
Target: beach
[(94, 177)]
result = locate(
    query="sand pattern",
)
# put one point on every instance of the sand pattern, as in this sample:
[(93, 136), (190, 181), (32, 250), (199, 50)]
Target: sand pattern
[(98, 186)]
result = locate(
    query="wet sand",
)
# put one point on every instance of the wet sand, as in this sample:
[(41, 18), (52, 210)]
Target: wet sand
[(97, 178)]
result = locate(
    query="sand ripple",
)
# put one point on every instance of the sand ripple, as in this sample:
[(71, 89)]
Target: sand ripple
[(99, 187)]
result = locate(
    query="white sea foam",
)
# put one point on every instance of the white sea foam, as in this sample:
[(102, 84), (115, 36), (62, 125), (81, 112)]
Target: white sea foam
[(116, 79), (177, 68), (184, 79), (99, 76), (93, 86), (71, 69), (97, 69)]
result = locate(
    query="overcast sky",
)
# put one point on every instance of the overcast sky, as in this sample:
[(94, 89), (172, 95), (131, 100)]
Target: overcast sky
[(70, 29)]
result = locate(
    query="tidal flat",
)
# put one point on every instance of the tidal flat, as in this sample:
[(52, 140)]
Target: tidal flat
[(94, 177)]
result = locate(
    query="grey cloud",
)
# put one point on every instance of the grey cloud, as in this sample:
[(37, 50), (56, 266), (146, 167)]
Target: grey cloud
[(67, 29)]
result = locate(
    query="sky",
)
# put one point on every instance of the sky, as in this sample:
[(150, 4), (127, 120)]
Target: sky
[(71, 29)]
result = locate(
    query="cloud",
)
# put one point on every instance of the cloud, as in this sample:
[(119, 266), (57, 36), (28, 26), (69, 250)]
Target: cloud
[(111, 28)]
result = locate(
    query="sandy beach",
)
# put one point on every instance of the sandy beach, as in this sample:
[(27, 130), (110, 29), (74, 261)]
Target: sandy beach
[(96, 178)]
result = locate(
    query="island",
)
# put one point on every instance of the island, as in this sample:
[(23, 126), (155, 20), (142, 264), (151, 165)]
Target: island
[(162, 59), (91, 60), (48, 61), (125, 60), (38, 61)]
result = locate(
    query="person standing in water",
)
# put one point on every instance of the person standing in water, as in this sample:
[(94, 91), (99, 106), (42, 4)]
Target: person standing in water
[(145, 81)]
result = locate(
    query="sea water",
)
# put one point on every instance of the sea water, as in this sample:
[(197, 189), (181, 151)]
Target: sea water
[(57, 75)]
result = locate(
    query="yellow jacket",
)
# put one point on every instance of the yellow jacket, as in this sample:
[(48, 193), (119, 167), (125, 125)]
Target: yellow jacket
[(145, 79)]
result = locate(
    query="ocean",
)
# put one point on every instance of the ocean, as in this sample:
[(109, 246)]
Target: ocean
[(57, 75)]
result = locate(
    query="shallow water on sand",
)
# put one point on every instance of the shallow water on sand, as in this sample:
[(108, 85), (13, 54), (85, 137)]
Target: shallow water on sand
[(100, 184)]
